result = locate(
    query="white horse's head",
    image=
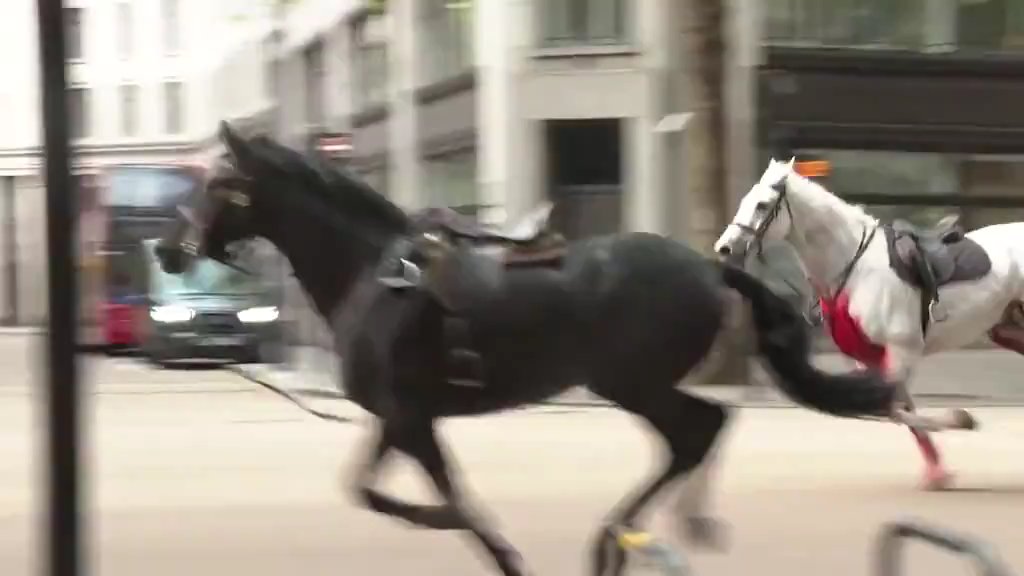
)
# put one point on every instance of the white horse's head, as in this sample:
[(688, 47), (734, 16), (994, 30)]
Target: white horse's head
[(763, 214)]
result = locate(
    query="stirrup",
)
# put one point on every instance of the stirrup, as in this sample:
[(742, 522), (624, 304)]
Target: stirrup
[(409, 275), (937, 311)]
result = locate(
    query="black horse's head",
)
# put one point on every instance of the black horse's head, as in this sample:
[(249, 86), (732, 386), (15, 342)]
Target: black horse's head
[(225, 211), (328, 223)]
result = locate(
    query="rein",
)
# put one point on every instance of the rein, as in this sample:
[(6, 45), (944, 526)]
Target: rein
[(757, 233), (762, 228), (193, 248), (844, 276)]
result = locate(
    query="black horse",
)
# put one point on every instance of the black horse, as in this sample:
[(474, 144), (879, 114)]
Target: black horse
[(627, 316)]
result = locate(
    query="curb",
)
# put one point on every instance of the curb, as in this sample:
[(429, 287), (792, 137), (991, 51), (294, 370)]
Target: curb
[(21, 330), (753, 396)]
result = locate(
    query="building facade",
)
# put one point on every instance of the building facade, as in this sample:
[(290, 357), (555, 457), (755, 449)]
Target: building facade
[(498, 105), (922, 117), (140, 90)]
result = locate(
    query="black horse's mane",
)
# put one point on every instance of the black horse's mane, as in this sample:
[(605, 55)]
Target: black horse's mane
[(336, 186)]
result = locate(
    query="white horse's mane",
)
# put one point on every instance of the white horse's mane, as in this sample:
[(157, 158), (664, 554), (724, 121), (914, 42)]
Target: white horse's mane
[(818, 198)]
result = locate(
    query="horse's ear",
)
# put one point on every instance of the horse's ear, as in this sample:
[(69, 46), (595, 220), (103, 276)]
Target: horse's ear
[(792, 161), (238, 148)]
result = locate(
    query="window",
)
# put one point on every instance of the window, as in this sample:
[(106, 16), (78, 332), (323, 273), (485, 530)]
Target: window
[(938, 184), (963, 25), (129, 110), (125, 30), (992, 176), (73, 33), (375, 176), (888, 172), (147, 187), (451, 179), (171, 26), (173, 108), (78, 112), (990, 25), (447, 38), (371, 59), (880, 23), (314, 69), (582, 22)]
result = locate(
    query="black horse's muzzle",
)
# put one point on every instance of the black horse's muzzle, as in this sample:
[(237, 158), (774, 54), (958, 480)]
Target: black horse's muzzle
[(172, 257)]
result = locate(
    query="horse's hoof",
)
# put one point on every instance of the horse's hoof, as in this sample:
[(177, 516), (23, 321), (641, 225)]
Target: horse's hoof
[(706, 532), (937, 480), (513, 564), (963, 420)]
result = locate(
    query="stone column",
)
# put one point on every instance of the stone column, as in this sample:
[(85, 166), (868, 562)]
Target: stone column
[(493, 107), (405, 181), (940, 22), (647, 185), (10, 248), (339, 84)]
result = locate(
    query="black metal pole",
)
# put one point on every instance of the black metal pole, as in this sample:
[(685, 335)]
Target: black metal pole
[(10, 252), (65, 550)]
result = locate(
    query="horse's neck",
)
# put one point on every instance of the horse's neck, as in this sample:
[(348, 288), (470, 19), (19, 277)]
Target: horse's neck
[(826, 238), (326, 263)]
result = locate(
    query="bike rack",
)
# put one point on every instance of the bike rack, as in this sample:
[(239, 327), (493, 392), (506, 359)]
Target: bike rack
[(894, 536), (889, 548)]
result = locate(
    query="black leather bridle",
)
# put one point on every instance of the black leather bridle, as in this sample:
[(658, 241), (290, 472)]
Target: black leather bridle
[(757, 233)]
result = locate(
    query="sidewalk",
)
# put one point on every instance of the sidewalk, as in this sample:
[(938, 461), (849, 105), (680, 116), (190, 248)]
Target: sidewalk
[(969, 377)]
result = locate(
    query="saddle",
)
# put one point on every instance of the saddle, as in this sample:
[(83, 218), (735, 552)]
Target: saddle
[(931, 257), (462, 264), (530, 241), (466, 261)]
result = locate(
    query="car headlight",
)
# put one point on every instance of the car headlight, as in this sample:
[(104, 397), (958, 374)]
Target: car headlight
[(171, 314), (259, 314)]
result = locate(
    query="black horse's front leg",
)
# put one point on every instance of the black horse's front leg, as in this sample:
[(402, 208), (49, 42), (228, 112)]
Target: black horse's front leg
[(427, 516), (420, 442)]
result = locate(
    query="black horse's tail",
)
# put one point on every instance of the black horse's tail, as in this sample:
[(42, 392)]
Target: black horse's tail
[(784, 339)]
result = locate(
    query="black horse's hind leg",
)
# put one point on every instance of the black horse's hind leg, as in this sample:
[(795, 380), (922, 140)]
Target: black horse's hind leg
[(420, 443), (689, 426)]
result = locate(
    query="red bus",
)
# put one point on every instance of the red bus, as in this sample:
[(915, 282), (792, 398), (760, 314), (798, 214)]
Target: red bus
[(119, 207)]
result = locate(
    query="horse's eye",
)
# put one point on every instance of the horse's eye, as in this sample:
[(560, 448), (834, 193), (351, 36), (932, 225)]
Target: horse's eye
[(762, 206)]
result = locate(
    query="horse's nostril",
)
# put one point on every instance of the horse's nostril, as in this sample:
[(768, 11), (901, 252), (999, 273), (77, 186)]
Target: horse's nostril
[(725, 250)]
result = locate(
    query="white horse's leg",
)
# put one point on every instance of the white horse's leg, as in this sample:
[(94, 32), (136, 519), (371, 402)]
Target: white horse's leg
[(955, 419), (899, 365)]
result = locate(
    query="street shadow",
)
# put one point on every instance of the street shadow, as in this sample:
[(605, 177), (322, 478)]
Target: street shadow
[(992, 490)]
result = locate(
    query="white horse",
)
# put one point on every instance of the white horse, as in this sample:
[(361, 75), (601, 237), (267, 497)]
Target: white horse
[(871, 281)]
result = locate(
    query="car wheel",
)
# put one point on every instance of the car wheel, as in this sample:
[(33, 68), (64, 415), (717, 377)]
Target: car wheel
[(154, 357)]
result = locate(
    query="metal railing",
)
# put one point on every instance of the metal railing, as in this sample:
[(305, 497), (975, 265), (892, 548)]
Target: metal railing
[(894, 536)]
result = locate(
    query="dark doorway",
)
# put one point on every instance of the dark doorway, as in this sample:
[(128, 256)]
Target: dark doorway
[(585, 175)]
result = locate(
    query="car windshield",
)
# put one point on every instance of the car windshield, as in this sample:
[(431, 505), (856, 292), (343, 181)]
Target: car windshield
[(205, 276)]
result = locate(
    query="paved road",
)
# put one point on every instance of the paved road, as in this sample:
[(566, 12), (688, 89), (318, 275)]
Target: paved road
[(242, 483), (969, 376)]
